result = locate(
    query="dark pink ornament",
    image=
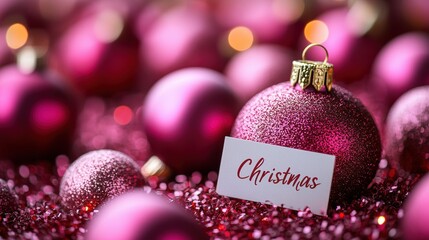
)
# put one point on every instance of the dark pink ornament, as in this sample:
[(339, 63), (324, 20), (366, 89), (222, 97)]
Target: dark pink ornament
[(98, 176), (37, 117), (416, 212), (407, 131), (140, 215), (98, 54), (186, 116), (402, 64), (332, 122), (8, 198), (181, 37), (253, 70)]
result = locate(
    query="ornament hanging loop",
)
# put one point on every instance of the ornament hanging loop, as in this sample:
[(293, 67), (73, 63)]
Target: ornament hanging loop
[(312, 74), (304, 52)]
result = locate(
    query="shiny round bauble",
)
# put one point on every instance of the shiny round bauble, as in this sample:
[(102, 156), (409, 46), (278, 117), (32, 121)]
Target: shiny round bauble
[(402, 64), (416, 212), (181, 37), (333, 123), (37, 116), (186, 116), (407, 131), (98, 176), (139, 215), (98, 53), (257, 68), (8, 198), (351, 53)]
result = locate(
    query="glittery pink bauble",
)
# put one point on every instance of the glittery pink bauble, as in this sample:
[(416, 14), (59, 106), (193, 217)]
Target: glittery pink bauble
[(351, 54), (140, 215), (186, 116), (181, 37), (253, 70), (334, 123), (37, 118), (8, 199), (98, 54), (98, 176), (407, 131), (402, 64), (416, 212)]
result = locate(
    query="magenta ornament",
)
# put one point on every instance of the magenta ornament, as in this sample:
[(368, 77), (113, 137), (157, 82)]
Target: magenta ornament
[(407, 131), (8, 198), (186, 116), (98, 176), (37, 117), (139, 215), (253, 70)]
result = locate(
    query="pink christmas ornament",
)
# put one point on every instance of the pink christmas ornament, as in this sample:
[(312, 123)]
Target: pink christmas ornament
[(8, 199), (181, 37), (331, 122), (253, 70), (140, 215), (402, 64), (407, 131), (37, 118), (416, 213), (98, 54), (98, 176), (186, 116)]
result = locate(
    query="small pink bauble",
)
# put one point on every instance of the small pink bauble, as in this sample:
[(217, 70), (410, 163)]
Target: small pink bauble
[(98, 176), (333, 122), (98, 53), (37, 117), (139, 215), (186, 116), (407, 131), (8, 198), (181, 37), (253, 70), (402, 64), (416, 212)]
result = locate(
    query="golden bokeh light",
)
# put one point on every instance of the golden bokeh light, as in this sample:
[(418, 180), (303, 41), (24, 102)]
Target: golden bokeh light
[(381, 220), (16, 36), (240, 38), (316, 31)]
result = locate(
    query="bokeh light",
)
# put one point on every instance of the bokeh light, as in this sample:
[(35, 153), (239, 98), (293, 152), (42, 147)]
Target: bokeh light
[(381, 220), (240, 38), (109, 26), (123, 115), (16, 36), (316, 31)]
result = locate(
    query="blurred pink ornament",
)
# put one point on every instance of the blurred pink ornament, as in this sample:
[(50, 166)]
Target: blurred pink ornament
[(140, 215), (98, 53), (261, 66), (402, 65), (186, 116), (407, 131), (416, 212), (98, 176), (8, 198), (181, 37), (37, 117)]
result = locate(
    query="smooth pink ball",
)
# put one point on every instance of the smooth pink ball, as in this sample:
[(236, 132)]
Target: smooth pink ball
[(334, 123), (139, 215), (416, 212), (98, 53), (98, 176), (351, 54), (181, 37), (186, 116), (407, 131), (37, 117), (402, 64), (261, 66)]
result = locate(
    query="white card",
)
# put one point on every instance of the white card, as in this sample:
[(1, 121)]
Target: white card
[(277, 175)]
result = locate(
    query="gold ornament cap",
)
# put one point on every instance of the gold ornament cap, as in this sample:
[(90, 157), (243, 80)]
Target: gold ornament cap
[(318, 75)]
